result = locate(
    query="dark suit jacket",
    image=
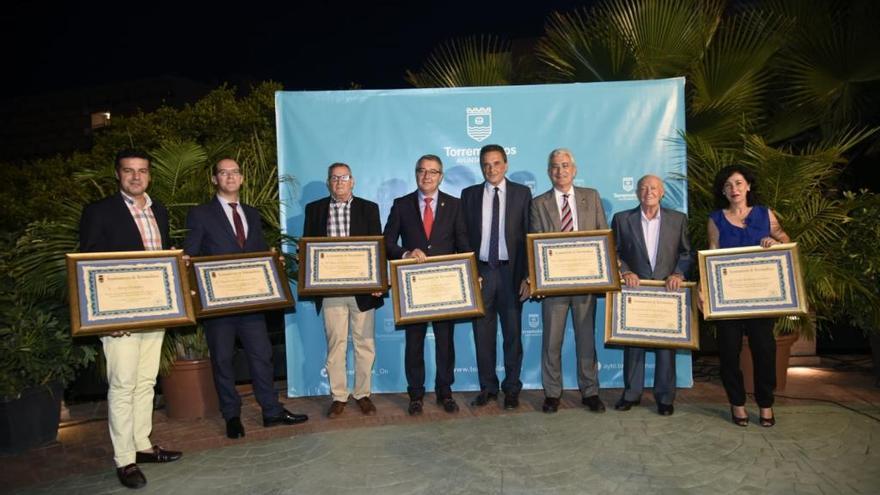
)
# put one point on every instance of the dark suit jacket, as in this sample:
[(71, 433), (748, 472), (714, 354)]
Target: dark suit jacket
[(210, 232), (364, 221), (673, 248), (516, 223), (107, 225), (448, 234)]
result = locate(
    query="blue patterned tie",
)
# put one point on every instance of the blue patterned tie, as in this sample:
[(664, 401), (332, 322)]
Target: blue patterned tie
[(493, 232)]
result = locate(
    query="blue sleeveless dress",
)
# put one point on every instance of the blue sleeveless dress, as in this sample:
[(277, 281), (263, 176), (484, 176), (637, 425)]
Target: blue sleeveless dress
[(757, 227)]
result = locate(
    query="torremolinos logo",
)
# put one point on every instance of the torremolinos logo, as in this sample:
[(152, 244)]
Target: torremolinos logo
[(479, 123)]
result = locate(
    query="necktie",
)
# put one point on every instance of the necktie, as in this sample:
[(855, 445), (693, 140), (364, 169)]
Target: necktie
[(239, 227), (493, 231), (567, 224), (428, 219)]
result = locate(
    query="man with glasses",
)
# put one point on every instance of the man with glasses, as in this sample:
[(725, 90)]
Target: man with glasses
[(130, 221), (226, 226), (342, 215), (428, 223)]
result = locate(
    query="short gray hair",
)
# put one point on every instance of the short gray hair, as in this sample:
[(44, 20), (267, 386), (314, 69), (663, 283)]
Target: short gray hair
[(560, 151)]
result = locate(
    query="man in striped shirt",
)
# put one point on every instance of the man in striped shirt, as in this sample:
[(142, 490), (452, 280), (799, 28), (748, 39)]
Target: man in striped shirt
[(130, 221)]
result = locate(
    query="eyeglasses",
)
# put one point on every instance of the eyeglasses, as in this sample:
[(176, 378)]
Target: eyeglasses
[(428, 172), (229, 173), (339, 178)]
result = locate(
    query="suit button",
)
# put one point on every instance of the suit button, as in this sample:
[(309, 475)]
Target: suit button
[(429, 246)]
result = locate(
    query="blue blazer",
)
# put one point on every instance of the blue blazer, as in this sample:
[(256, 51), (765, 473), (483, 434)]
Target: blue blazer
[(673, 248), (107, 225), (448, 234), (210, 232), (516, 223)]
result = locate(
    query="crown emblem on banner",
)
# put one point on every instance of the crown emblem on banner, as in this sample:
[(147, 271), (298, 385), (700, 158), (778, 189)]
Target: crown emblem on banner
[(479, 123)]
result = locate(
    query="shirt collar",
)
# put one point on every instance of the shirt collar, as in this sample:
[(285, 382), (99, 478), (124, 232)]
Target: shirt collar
[(646, 219), (333, 200), (433, 196), (128, 199), (502, 186), (224, 201)]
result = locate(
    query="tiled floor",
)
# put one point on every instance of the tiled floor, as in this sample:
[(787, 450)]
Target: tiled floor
[(828, 420)]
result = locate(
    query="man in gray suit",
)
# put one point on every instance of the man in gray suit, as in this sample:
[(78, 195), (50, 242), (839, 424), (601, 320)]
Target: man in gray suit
[(566, 208), (652, 243)]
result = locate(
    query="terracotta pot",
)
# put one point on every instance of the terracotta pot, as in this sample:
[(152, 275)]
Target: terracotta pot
[(189, 390), (783, 352)]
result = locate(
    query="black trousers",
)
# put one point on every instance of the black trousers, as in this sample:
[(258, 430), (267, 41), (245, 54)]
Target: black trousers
[(444, 355), (251, 331), (501, 300), (763, 347)]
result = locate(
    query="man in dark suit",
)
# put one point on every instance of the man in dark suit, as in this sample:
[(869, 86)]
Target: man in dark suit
[(226, 226), (497, 217), (652, 243), (429, 223), (342, 215), (130, 221), (566, 208)]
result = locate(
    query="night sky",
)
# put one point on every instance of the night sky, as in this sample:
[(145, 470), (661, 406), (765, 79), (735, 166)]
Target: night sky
[(302, 45)]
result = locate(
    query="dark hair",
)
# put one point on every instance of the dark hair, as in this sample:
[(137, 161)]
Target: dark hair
[(130, 153), (432, 158), (724, 174), (337, 164), (490, 148), (214, 168)]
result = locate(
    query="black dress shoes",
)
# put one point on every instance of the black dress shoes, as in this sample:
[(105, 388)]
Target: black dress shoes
[(285, 418), (415, 407), (551, 405), (448, 404), (511, 401), (157, 454), (131, 476), (665, 409), (625, 405), (593, 403), (234, 428), (484, 398)]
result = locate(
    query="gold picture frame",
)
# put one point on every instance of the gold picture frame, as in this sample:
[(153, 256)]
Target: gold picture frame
[(651, 316), (369, 273), (452, 292), (573, 276)]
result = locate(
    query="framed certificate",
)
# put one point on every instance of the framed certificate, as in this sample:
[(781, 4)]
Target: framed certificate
[(339, 266), (752, 282), (130, 290), (239, 283), (442, 288), (567, 263), (651, 316)]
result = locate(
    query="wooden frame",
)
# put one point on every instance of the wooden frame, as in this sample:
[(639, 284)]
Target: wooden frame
[(127, 280), (461, 268), (376, 274), (685, 333), (604, 277), (264, 271), (752, 282)]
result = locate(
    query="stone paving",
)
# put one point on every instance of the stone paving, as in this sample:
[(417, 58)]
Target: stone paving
[(825, 445)]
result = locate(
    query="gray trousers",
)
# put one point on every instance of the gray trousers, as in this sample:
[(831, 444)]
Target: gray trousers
[(554, 311), (634, 374)]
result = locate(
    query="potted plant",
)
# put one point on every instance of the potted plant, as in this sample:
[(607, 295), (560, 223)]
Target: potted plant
[(39, 359)]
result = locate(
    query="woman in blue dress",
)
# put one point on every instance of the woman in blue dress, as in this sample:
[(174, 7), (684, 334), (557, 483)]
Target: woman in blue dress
[(741, 222)]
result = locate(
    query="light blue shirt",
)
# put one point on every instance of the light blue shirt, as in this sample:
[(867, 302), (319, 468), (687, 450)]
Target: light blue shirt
[(228, 210), (572, 205), (433, 203), (486, 231), (651, 231)]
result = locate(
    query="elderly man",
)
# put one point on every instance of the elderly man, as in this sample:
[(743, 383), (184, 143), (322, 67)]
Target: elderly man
[(429, 223), (566, 208), (342, 215), (227, 226), (652, 243), (497, 217), (130, 221)]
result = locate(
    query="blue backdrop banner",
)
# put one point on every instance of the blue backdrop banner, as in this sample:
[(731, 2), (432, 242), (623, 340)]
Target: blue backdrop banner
[(617, 131)]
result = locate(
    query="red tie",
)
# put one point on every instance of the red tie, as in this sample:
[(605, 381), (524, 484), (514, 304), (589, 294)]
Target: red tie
[(239, 227), (428, 219)]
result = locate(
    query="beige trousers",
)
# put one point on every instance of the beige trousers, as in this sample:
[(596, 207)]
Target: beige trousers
[(132, 366), (340, 314)]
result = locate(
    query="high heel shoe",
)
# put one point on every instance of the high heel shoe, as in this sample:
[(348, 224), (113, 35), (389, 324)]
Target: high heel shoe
[(738, 421), (767, 422)]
